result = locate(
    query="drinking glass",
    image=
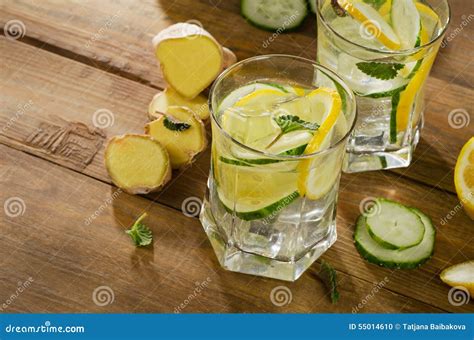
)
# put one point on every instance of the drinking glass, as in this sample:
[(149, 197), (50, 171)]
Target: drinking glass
[(389, 99), (254, 213)]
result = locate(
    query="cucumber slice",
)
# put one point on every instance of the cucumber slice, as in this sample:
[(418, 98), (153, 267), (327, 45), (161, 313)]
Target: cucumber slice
[(408, 258), (312, 5), (252, 212), (406, 22), (395, 226), (274, 15)]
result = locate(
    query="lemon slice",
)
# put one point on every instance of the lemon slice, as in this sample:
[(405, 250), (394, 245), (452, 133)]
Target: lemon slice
[(408, 96), (372, 21), (461, 274), (317, 175), (250, 120), (406, 22), (464, 177), (429, 19), (260, 99)]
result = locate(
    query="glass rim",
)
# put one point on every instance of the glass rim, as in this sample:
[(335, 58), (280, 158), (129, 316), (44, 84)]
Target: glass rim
[(388, 52), (350, 97)]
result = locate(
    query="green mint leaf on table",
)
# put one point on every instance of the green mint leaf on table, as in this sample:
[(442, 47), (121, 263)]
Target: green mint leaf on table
[(289, 123), (375, 3), (383, 71), (173, 125), (328, 275), (140, 233)]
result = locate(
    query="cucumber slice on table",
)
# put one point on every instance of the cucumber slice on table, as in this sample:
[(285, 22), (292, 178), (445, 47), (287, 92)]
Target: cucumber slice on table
[(394, 226), (274, 15), (392, 258)]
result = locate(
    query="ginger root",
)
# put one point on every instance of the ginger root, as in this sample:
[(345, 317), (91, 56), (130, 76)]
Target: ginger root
[(169, 97), (190, 58), (138, 164), (181, 132)]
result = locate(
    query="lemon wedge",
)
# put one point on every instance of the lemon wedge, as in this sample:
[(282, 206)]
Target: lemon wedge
[(461, 274), (464, 177)]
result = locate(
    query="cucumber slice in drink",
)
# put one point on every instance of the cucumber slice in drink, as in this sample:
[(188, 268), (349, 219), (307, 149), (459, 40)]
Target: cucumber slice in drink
[(273, 15), (406, 22), (408, 258), (394, 226)]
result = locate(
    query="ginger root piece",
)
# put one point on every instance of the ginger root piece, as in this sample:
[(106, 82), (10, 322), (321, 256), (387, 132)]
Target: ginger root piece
[(189, 56), (181, 133), (169, 97), (138, 164)]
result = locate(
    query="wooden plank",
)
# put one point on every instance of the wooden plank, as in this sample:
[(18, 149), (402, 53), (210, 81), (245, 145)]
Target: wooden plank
[(454, 242), (47, 243), (117, 34), (41, 108), (441, 143)]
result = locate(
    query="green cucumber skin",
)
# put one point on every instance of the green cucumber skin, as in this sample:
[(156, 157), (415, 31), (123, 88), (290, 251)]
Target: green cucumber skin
[(383, 263), (383, 94), (268, 28), (262, 161), (393, 118), (266, 211), (277, 86), (384, 243)]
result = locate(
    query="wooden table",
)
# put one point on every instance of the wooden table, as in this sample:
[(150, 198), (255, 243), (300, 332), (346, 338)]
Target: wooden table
[(67, 239)]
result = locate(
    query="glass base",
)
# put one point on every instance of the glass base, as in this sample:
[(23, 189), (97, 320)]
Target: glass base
[(379, 160), (234, 259)]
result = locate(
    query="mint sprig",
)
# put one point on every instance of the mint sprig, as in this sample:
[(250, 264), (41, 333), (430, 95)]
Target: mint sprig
[(383, 71), (140, 233), (288, 123), (328, 275)]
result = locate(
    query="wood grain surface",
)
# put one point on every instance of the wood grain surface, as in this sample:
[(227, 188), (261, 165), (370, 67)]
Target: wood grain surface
[(78, 61)]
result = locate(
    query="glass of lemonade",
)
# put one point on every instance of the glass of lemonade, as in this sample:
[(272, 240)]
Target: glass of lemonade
[(280, 126), (384, 50)]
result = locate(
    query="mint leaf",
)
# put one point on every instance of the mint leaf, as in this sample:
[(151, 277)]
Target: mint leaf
[(383, 71), (289, 123), (140, 233), (328, 275), (173, 125), (375, 3)]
